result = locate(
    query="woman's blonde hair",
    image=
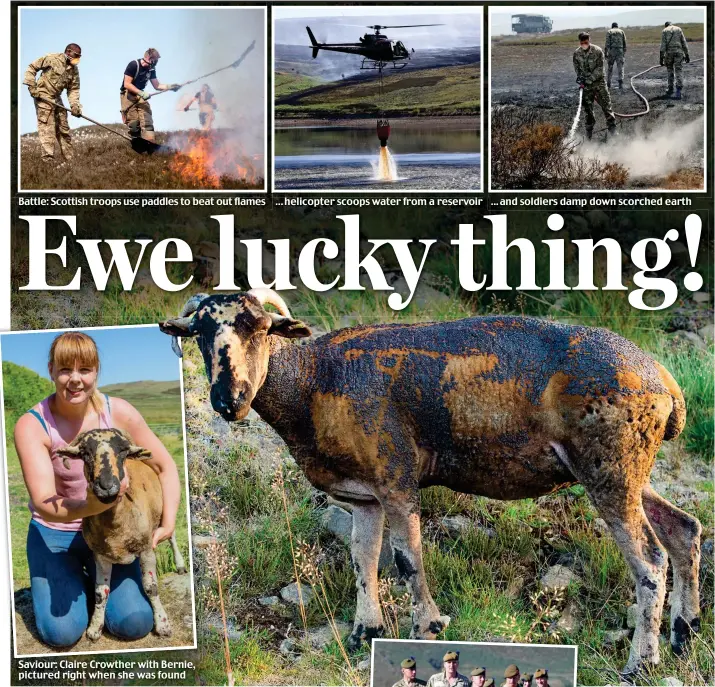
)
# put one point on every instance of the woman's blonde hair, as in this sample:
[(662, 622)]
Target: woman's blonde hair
[(75, 347)]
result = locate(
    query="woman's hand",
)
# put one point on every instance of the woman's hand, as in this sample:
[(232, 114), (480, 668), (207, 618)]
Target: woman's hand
[(162, 533)]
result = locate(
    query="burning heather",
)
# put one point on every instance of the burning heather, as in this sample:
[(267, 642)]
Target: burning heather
[(214, 159)]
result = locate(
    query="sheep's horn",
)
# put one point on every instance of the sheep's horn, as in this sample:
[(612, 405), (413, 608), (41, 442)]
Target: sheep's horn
[(188, 309), (270, 297)]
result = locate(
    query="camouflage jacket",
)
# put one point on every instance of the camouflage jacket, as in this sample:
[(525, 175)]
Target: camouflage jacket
[(615, 42), (404, 683), (57, 74), (440, 680), (588, 65), (672, 41)]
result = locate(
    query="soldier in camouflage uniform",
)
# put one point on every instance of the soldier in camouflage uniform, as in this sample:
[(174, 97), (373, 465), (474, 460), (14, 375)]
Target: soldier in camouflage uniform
[(511, 676), (615, 52), (588, 63), (673, 52), (542, 677), (58, 72), (409, 674), (450, 677)]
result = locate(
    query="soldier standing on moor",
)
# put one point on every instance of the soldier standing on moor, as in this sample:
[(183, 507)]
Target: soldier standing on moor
[(616, 52), (673, 52), (409, 674), (59, 72), (136, 110), (588, 63), (450, 677)]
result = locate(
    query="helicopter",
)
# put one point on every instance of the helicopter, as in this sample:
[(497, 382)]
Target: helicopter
[(377, 50)]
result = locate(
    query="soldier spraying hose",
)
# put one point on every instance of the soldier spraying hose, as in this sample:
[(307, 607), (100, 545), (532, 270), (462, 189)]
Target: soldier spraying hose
[(59, 72), (588, 63)]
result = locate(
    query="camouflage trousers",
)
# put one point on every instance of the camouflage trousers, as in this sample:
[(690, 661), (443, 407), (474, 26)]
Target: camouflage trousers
[(619, 60), (597, 91), (138, 117), (206, 117), (674, 65), (53, 128)]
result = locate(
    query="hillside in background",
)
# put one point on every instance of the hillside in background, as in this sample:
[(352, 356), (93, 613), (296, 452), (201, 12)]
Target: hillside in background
[(22, 389), (442, 91), (158, 402)]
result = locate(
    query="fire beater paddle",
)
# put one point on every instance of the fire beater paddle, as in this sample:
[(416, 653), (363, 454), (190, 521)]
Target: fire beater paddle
[(233, 65), (140, 145)]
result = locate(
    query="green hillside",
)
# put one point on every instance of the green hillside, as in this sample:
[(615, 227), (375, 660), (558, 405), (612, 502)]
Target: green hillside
[(634, 35), (287, 83), (442, 91), (22, 389), (158, 402)]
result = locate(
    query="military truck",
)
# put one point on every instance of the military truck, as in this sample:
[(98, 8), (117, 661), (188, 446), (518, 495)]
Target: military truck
[(531, 23)]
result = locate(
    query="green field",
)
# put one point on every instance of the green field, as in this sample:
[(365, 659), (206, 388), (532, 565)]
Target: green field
[(634, 35), (158, 402), (443, 91), (288, 83)]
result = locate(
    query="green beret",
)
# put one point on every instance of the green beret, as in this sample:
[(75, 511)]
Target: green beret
[(451, 656), (479, 671), (526, 677), (541, 672), (511, 671), (408, 663), (489, 683)]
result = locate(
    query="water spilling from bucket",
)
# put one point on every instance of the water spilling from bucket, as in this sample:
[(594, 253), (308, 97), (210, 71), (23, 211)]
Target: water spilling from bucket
[(386, 166), (578, 115)]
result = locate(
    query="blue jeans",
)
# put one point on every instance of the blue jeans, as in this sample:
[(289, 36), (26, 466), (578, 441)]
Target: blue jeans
[(62, 571)]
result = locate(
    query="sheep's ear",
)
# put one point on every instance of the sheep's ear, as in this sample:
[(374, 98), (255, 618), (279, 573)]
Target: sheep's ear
[(138, 453), (68, 452), (288, 327)]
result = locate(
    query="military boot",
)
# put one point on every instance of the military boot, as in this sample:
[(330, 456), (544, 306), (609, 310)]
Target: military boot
[(620, 84), (669, 92), (678, 94), (589, 134)]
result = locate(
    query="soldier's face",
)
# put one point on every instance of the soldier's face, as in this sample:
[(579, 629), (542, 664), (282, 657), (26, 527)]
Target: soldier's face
[(542, 681), (478, 680), (450, 667), (409, 674), (585, 44), (512, 681)]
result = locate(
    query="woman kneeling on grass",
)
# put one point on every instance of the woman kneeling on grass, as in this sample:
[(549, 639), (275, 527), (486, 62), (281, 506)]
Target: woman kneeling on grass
[(61, 564)]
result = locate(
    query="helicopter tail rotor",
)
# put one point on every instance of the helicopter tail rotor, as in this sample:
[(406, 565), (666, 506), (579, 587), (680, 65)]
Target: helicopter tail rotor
[(314, 43)]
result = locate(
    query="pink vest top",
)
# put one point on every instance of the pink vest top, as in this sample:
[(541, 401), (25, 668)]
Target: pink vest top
[(69, 483)]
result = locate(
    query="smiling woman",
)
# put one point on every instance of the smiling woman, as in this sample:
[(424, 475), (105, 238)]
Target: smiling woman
[(57, 553)]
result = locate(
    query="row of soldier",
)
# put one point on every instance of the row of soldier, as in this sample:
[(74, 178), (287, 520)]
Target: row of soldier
[(451, 677), (60, 72), (588, 61)]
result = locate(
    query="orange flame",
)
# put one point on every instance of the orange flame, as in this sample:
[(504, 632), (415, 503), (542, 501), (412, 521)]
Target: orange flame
[(211, 160)]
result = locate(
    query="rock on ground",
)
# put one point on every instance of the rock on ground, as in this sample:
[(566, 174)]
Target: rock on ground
[(570, 620), (290, 594), (613, 638), (322, 636), (558, 577)]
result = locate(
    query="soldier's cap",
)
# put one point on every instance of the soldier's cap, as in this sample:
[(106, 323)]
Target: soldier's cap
[(74, 48), (614, 25), (511, 671), (489, 682), (667, 23), (583, 36), (408, 662), (451, 656), (541, 672), (479, 671), (526, 677)]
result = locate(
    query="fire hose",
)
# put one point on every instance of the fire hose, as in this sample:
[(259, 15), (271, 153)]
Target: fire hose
[(233, 65), (635, 90)]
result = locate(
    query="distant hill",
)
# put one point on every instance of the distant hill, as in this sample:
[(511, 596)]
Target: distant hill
[(22, 389), (158, 402), (433, 91)]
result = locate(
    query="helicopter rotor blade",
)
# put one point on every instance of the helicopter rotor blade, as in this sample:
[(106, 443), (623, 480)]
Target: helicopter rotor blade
[(402, 26)]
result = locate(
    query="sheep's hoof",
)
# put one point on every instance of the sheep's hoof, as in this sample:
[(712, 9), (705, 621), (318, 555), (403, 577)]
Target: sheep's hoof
[(682, 633), (93, 634), (363, 634), (431, 629), (162, 627)]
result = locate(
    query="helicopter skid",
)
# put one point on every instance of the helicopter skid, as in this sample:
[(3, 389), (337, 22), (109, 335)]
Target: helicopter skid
[(379, 66)]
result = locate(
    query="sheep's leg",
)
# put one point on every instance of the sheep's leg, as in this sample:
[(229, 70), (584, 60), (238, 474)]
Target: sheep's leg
[(680, 534), (178, 557), (150, 581), (403, 514), (368, 521), (102, 580)]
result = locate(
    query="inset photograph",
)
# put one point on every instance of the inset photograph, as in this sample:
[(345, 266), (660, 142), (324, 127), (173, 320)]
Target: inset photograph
[(97, 492), (597, 98), (172, 102), (406, 663), (377, 98)]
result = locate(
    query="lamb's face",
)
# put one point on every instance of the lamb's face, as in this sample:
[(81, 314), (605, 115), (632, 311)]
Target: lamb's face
[(103, 452)]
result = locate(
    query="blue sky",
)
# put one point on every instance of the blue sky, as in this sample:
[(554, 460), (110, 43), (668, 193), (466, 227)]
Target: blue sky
[(126, 354), (192, 42)]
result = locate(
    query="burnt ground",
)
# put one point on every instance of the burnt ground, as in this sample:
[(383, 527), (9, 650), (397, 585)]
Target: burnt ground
[(175, 594), (543, 77)]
